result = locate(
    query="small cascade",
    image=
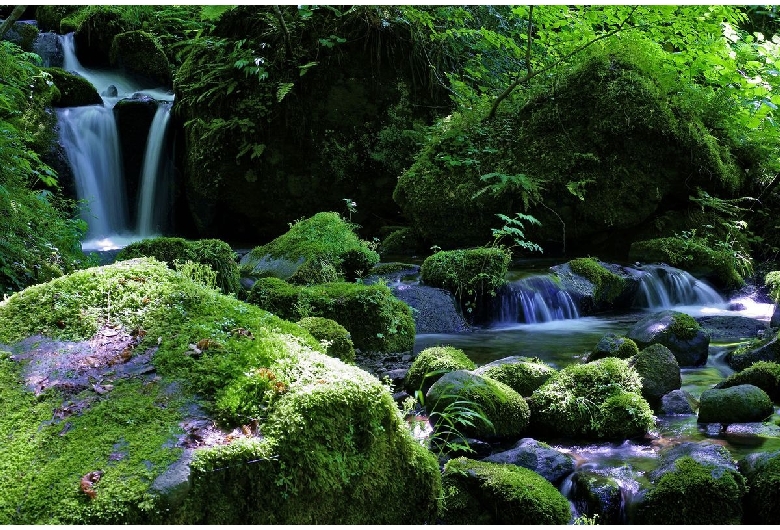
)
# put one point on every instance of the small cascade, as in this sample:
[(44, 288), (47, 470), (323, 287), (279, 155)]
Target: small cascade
[(152, 201), (663, 287), (534, 300), (89, 137)]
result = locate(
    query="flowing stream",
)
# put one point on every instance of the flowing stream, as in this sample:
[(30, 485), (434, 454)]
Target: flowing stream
[(91, 141), (535, 319)]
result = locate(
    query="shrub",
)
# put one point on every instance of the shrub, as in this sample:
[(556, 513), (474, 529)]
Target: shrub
[(431, 364)]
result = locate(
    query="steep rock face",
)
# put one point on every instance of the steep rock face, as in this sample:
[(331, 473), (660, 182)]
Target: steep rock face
[(607, 143), (319, 118)]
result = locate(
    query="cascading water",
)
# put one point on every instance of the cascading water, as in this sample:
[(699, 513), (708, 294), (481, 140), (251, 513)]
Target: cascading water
[(90, 139), (534, 300), (152, 200), (663, 287)]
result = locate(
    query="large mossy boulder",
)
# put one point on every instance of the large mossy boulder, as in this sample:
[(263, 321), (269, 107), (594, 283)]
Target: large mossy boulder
[(216, 254), (762, 502), (435, 310), (522, 374), (736, 404), (597, 286), (75, 91), (453, 398), (431, 364), (95, 29), (131, 394), (323, 248), (332, 335), (375, 319), (141, 54), (619, 115), (767, 350), (487, 493), (695, 484), (678, 332), (659, 371), (613, 345), (597, 400), (763, 374)]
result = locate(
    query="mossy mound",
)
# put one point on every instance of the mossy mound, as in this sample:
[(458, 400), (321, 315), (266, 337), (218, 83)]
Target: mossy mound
[(659, 371), (431, 364), (403, 241), (504, 409), (75, 91), (164, 426), (49, 16), (677, 331), (736, 404), (599, 400), (140, 53), (762, 502), (763, 374), (613, 345), (767, 349), (487, 493), (323, 248), (375, 319), (212, 252), (607, 285), (522, 374), (692, 254), (95, 28), (621, 115), (337, 341)]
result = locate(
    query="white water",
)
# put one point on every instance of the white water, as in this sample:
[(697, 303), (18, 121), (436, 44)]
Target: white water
[(90, 139), (663, 287), (151, 199), (534, 300)]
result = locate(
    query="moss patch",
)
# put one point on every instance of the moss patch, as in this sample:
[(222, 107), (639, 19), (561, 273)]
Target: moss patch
[(336, 338), (607, 285), (431, 364), (75, 91)]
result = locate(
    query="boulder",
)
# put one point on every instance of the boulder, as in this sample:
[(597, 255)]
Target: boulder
[(537, 456), (678, 402), (75, 91), (726, 327), (597, 494), (678, 332), (141, 54), (431, 364), (613, 345), (659, 371), (763, 374), (334, 337), (762, 502), (767, 349), (435, 310), (522, 374), (486, 493), (738, 404)]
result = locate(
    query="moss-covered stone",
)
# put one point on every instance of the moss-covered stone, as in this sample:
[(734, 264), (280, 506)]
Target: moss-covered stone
[(762, 502), (504, 409), (607, 285), (737, 404), (403, 241), (763, 374), (75, 91), (375, 319), (677, 331), (97, 25), (487, 493), (324, 248), (659, 371), (49, 16), (335, 336), (613, 345), (140, 53), (431, 364), (212, 252), (598, 400), (522, 374), (133, 444)]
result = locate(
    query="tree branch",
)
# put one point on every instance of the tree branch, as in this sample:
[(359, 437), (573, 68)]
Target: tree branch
[(12, 18), (530, 74)]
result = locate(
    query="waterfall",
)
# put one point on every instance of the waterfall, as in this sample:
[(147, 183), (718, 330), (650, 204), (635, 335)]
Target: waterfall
[(663, 287), (151, 199), (533, 300), (91, 143)]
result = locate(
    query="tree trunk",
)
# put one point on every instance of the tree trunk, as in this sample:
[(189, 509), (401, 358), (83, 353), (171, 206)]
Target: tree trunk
[(9, 22)]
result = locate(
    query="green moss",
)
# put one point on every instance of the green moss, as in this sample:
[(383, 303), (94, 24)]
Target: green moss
[(763, 374), (375, 319), (763, 497), (49, 16), (734, 404), (684, 326), (431, 364), (523, 376), (404, 241), (584, 400), (772, 280), (612, 345), (487, 493), (695, 494), (140, 53), (324, 242), (74, 90), (336, 337), (607, 285), (212, 252)]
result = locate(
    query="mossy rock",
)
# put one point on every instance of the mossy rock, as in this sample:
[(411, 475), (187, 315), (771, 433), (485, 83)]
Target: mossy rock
[(431, 364), (613, 345), (49, 16), (677, 331), (691, 254), (522, 374), (214, 253), (403, 241), (737, 404), (140, 53), (504, 409), (375, 319), (97, 27), (337, 339), (767, 350), (75, 91), (695, 490), (762, 502), (320, 249), (155, 403), (597, 400), (488, 493), (608, 286), (659, 371), (763, 374), (476, 270)]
